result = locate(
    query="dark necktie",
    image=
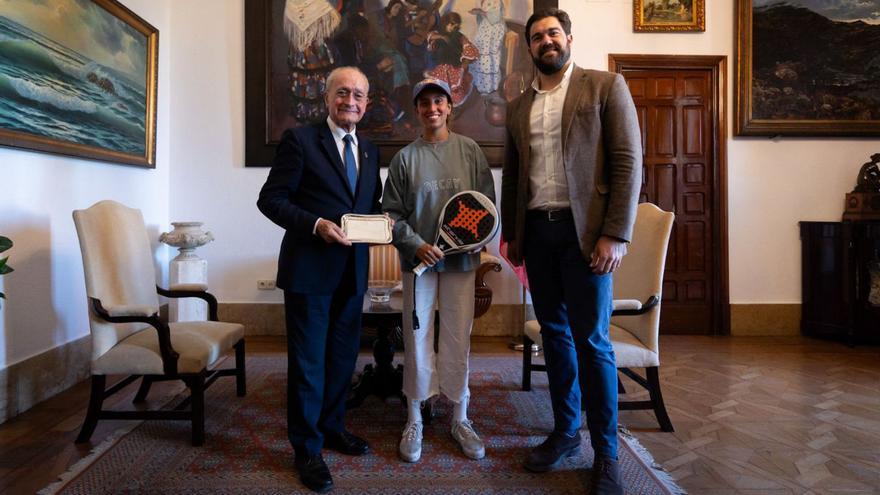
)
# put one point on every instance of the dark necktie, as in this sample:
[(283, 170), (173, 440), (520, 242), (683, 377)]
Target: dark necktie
[(350, 164)]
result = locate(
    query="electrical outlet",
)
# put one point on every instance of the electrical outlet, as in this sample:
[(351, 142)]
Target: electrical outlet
[(265, 284)]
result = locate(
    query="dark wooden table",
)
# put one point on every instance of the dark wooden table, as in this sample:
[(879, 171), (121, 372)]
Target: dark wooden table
[(381, 378)]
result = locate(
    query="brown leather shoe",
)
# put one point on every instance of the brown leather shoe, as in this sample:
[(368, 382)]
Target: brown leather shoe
[(605, 478), (550, 454)]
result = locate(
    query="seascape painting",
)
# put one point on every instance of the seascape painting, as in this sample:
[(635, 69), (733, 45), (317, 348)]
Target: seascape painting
[(809, 67), (476, 46), (77, 78)]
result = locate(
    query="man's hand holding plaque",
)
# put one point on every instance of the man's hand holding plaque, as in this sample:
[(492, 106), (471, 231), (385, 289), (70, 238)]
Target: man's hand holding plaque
[(372, 229)]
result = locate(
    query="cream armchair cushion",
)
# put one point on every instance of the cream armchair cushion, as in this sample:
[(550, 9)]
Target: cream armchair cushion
[(199, 343)]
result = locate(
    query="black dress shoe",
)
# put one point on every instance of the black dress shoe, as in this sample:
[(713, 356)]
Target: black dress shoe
[(314, 473), (550, 454), (605, 478), (346, 443)]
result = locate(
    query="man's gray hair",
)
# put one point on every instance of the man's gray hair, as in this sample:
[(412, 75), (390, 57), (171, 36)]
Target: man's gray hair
[(335, 73)]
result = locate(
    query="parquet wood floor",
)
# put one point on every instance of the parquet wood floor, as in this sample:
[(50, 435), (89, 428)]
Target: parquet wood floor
[(752, 416), (766, 416)]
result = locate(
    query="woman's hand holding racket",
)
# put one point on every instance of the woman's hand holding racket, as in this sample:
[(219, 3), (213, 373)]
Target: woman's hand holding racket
[(468, 222), (429, 254)]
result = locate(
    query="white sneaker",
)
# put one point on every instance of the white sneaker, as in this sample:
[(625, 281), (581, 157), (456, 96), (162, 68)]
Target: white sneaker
[(470, 443), (411, 442)]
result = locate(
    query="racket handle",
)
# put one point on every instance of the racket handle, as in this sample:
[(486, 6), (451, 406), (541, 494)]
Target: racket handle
[(420, 269)]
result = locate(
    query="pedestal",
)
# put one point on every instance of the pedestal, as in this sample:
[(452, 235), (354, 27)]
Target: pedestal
[(193, 270), (187, 268)]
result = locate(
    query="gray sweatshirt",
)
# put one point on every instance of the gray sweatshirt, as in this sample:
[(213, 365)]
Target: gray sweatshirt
[(421, 179)]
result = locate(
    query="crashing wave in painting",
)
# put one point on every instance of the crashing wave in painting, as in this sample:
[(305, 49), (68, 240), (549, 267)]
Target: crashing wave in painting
[(52, 91)]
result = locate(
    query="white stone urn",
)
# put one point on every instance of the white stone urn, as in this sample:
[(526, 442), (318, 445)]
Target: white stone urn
[(187, 268), (186, 237)]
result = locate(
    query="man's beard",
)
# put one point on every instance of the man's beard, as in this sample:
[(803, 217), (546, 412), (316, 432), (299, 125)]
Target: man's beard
[(548, 68)]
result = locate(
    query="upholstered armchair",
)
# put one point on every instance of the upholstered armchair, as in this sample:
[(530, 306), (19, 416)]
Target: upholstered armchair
[(129, 338), (635, 320)]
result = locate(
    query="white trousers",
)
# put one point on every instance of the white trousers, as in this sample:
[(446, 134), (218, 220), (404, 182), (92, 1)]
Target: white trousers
[(426, 373)]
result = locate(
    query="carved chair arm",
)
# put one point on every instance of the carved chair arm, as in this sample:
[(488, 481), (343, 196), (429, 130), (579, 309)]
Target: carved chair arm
[(483, 269), (169, 355), (647, 306), (201, 294)]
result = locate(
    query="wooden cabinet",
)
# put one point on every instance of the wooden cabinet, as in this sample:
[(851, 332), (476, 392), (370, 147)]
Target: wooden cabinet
[(841, 280)]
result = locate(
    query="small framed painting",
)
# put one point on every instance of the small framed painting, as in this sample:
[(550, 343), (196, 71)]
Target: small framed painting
[(669, 15)]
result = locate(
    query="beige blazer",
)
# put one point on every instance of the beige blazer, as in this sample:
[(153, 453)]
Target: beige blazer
[(602, 156)]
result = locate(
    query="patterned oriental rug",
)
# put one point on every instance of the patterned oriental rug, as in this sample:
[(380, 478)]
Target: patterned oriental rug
[(246, 449)]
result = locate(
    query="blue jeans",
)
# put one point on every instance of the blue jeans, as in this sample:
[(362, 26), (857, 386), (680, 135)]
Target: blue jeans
[(573, 307)]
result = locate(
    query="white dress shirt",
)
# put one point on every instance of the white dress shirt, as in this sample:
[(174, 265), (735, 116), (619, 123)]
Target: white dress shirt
[(547, 181), (339, 133)]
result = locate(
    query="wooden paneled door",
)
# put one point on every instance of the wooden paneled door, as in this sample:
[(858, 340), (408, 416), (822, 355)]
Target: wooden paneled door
[(681, 114)]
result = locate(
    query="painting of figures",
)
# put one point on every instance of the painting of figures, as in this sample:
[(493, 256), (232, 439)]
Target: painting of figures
[(809, 67), (476, 46), (77, 77), (669, 15)]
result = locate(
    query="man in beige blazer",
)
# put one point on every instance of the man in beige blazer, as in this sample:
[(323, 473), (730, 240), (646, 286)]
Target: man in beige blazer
[(570, 186)]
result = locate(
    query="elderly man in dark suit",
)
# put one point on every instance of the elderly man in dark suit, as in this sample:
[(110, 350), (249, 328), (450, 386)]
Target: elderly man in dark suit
[(320, 173), (569, 190)]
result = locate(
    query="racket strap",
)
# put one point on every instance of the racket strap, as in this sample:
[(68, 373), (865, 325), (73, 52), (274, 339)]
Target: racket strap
[(415, 316)]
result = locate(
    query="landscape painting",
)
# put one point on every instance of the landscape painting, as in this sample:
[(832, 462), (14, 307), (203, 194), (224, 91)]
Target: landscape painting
[(669, 15), (808, 67), (78, 77), (476, 46)]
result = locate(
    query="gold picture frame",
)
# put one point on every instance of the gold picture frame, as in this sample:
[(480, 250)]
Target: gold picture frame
[(786, 84), (653, 16), (103, 61)]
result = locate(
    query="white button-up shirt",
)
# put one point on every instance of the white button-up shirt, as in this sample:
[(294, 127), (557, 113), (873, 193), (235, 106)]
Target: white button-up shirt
[(338, 134), (548, 185)]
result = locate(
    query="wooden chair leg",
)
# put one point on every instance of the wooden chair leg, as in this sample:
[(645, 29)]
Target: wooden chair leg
[(197, 393), (620, 388), (240, 375), (143, 390), (96, 399), (653, 376), (527, 364)]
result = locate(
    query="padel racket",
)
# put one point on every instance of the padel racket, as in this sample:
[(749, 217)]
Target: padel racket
[(468, 221)]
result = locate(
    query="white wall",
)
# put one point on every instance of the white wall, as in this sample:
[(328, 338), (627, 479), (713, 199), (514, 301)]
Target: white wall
[(45, 305), (772, 183), (209, 182), (200, 175)]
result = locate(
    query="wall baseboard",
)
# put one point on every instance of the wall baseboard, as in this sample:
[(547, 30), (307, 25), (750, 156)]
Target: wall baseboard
[(257, 318), (506, 320), (765, 320), (29, 382)]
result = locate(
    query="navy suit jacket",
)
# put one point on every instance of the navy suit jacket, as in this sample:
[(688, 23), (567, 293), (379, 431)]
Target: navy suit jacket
[(308, 181)]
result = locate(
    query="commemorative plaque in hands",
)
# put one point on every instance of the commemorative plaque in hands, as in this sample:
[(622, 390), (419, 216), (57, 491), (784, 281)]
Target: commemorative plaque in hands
[(372, 229)]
